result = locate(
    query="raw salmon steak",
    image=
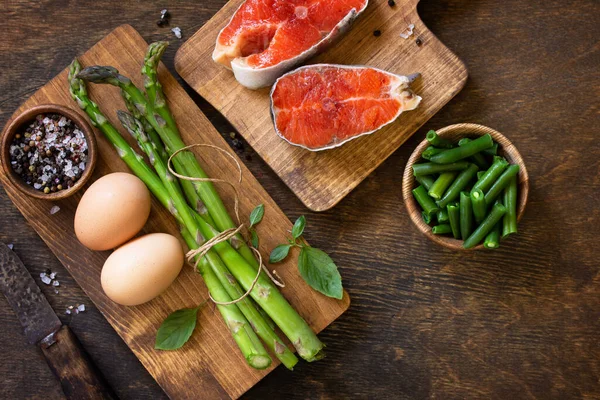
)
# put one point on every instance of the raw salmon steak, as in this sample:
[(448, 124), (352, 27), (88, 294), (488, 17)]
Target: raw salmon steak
[(266, 38), (323, 106)]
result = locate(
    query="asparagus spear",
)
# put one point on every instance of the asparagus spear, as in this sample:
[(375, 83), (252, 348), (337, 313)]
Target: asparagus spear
[(246, 306), (188, 187), (185, 162), (233, 317)]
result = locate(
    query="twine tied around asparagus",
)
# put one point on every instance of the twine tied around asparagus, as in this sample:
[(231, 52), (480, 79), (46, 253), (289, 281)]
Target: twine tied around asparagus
[(227, 234)]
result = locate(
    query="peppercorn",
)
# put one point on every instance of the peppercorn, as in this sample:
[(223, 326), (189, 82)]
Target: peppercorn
[(391, 3), (46, 190), (18, 136)]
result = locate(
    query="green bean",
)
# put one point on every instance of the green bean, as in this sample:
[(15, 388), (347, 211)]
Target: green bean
[(431, 168), (433, 138), (454, 217), (478, 204), (492, 240), (426, 202), (426, 217), (442, 216), (480, 174), (441, 184), (462, 180), (430, 151), (509, 223), (502, 182), (425, 180), (466, 215), (477, 158), (464, 151), (498, 211), (441, 229), (492, 151), (490, 176)]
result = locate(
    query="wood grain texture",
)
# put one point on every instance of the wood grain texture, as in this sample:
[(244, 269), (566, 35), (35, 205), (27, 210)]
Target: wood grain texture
[(79, 378), (425, 322), (322, 179), (454, 133), (209, 363)]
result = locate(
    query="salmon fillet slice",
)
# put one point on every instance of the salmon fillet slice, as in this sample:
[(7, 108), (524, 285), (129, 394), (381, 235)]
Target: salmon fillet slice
[(266, 38), (323, 106)]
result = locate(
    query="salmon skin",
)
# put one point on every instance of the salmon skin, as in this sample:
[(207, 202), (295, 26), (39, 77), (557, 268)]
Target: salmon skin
[(266, 38), (323, 106)]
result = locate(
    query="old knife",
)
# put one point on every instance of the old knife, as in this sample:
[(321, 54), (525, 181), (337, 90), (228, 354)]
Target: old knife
[(65, 356)]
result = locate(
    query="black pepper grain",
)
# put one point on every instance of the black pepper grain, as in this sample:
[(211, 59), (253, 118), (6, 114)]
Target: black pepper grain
[(391, 3), (419, 42), (377, 33)]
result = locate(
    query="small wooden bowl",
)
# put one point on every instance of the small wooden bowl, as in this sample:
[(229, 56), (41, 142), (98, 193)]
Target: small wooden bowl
[(20, 122), (455, 133)]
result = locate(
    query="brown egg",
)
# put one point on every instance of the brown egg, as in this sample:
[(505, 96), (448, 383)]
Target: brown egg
[(112, 211), (142, 269)]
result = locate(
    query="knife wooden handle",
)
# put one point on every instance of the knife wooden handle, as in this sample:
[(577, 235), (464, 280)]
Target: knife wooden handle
[(78, 376)]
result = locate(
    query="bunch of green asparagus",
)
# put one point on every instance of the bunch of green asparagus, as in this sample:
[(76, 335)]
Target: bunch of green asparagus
[(228, 268), (468, 189)]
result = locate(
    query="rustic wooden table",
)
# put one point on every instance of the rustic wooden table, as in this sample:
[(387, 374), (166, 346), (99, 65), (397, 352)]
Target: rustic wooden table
[(520, 322)]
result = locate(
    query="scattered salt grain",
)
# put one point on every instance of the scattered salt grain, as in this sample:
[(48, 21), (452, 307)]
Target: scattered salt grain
[(81, 308), (45, 278), (68, 312), (53, 211), (177, 32), (56, 283), (10, 246), (409, 32)]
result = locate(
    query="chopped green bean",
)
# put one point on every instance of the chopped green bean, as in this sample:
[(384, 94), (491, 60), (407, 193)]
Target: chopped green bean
[(432, 168), (464, 151), (491, 175), (433, 138), (480, 174), (492, 151), (509, 223), (498, 211), (466, 215), (431, 151), (441, 229), (477, 158), (441, 184), (502, 182), (426, 217), (478, 204), (442, 216), (425, 180), (426, 202), (462, 180), (454, 217), (492, 240)]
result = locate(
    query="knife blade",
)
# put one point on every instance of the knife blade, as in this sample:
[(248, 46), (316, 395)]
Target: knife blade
[(67, 359), (37, 317)]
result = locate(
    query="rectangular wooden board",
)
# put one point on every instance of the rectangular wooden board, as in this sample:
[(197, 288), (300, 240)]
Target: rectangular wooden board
[(322, 179), (209, 365)]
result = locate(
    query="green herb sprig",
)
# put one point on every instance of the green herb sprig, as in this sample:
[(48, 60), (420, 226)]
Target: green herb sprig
[(176, 329), (255, 217), (315, 266)]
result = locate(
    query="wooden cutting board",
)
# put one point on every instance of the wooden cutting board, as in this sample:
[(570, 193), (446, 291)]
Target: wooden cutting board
[(322, 179), (210, 365)]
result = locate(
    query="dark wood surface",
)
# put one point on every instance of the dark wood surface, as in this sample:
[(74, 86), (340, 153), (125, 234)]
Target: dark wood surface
[(522, 322)]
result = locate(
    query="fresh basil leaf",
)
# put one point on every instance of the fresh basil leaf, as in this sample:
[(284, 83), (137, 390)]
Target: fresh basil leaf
[(320, 272), (298, 227), (257, 215), (279, 253), (254, 238), (176, 329)]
